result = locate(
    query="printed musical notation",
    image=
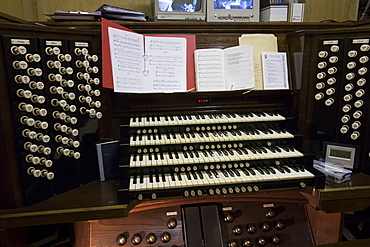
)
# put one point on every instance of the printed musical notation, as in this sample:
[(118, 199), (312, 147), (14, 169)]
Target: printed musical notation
[(147, 63)]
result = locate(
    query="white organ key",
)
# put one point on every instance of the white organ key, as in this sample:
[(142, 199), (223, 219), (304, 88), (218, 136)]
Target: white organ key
[(132, 186)]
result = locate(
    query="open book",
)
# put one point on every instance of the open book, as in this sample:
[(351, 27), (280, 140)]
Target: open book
[(224, 69)]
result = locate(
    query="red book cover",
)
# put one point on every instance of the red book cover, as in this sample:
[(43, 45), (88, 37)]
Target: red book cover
[(107, 76)]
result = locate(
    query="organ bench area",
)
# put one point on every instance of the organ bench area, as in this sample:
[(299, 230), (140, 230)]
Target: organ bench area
[(205, 169)]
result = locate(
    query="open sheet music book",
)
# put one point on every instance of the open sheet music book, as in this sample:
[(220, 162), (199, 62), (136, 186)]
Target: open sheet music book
[(224, 69), (147, 64)]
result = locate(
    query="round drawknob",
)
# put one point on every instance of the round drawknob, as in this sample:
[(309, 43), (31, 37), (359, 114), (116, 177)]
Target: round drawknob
[(237, 230), (228, 218), (172, 223), (232, 243), (261, 241), (165, 237), (275, 239), (151, 238), (121, 239), (265, 226), (270, 213), (279, 225), (251, 228), (246, 242), (136, 239)]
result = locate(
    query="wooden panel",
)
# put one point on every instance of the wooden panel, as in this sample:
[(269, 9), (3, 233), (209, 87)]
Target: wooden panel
[(8, 7), (338, 10), (50, 6), (327, 228)]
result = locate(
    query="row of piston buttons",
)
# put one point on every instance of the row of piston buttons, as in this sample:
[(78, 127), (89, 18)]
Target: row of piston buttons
[(66, 129), (64, 94), (68, 152), (219, 191), (354, 135), (27, 94), (33, 135), (260, 241), (252, 228), (358, 103), (322, 75), (31, 109), (270, 214), (136, 239), (35, 160), (211, 167), (88, 89), (356, 115), (324, 54), (352, 65), (34, 148), (67, 141), (35, 123), (40, 173), (351, 75), (92, 112), (64, 117), (63, 103)]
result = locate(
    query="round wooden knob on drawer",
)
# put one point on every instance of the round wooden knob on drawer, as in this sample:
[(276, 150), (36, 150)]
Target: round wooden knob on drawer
[(251, 228), (266, 226), (136, 239), (279, 225), (247, 242), (151, 238), (237, 230), (232, 243), (275, 239), (228, 217), (121, 239), (172, 223), (165, 237), (270, 213)]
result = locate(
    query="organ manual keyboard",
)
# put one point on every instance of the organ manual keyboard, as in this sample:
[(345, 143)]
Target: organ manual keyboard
[(232, 143)]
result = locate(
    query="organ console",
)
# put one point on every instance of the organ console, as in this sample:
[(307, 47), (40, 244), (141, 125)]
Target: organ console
[(234, 146)]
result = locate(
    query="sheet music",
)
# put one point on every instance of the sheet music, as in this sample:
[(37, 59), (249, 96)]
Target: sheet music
[(275, 70), (165, 64), (239, 67), (127, 51), (209, 69), (159, 65)]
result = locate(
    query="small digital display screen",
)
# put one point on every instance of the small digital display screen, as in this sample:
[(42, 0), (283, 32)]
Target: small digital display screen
[(340, 154), (236, 4), (180, 5)]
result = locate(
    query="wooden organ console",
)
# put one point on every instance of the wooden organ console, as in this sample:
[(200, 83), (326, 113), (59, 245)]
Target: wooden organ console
[(239, 143), (196, 169)]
